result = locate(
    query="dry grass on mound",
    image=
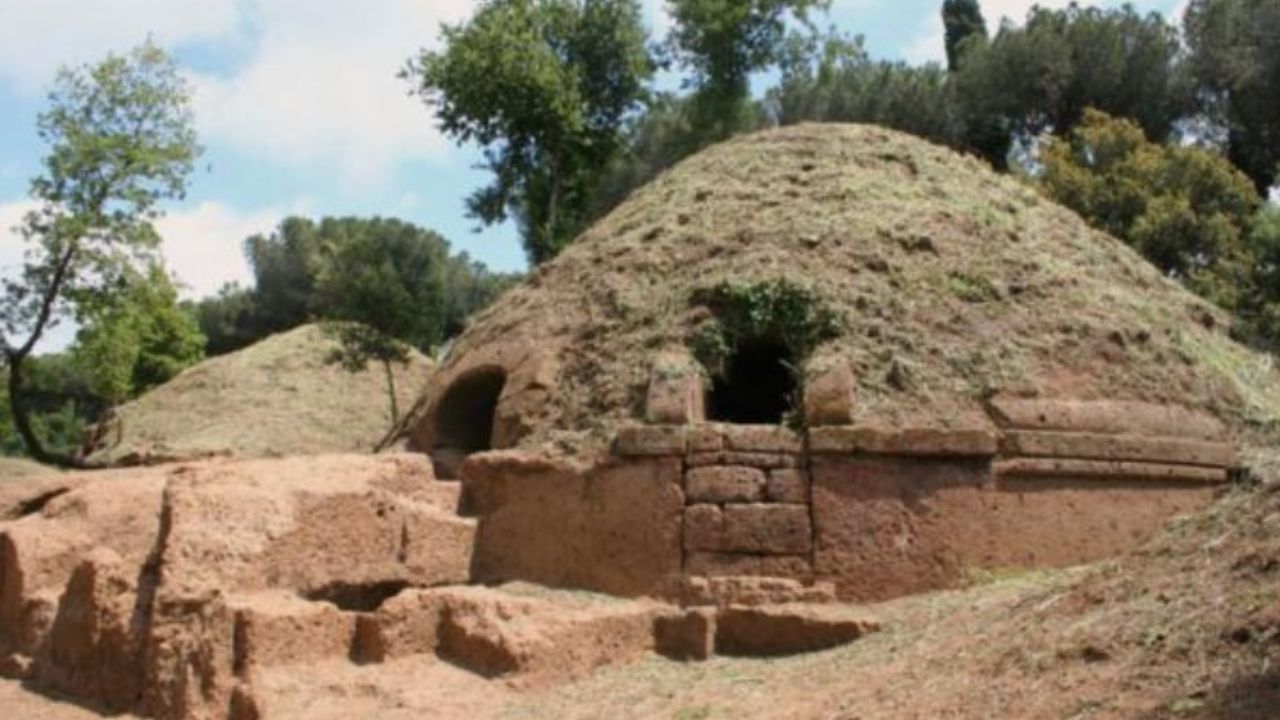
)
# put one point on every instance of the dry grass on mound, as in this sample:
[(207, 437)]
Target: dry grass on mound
[(11, 467), (953, 282), (277, 397)]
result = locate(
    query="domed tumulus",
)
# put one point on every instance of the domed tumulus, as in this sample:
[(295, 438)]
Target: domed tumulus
[(932, 285)]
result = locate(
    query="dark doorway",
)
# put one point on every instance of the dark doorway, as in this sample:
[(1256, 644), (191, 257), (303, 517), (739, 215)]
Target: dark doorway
[(756, 388), (464, 420)]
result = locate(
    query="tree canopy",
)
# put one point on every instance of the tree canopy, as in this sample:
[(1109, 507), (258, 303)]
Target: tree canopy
[(1042, 76), (1234, 63), (543, 87), (721, 43), (138, 341), (963, 22), (291, 263), (832, 79), (1185, 208)]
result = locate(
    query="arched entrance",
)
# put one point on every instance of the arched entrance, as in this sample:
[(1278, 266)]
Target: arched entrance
[(464, 420)]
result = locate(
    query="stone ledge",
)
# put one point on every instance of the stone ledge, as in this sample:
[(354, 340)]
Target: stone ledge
[(762, 438), (911, 441), (1106, 416), (787, 629), (1106, 470), (652, 440), (1098, 446)]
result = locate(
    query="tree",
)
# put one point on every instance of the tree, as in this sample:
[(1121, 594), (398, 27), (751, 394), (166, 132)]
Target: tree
[(287, 266), (964, 24), (1186, 209), (381, 292), (60, 402), (1041, 77), (284, 268), (121, 140), (1260, 306), (140, 340), (1234, 65), (832, 80), (543, 87), (722, 42), (227, 320)]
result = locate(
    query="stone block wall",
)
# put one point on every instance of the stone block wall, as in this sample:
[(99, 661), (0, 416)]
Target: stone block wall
[(881, 512), (746, 497)]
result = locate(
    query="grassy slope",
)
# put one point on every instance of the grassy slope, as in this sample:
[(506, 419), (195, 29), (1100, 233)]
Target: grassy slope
[(277, 397), (18, 467)]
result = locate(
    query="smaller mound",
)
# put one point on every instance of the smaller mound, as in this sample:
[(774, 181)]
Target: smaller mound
[(12, 467), (278, 397)]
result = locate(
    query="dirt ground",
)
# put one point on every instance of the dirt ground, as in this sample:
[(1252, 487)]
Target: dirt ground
[(1187, 627)]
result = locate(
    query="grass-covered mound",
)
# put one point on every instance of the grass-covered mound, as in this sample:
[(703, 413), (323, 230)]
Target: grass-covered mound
[(12, 468), (280, 396), (948, 283)]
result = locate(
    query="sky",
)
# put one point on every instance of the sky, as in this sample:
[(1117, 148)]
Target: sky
[(300, 111)]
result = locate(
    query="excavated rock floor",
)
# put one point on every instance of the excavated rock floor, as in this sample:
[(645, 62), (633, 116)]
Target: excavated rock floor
[(228, 589)]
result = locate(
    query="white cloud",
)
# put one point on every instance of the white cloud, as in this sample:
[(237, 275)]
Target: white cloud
[(38, 36), (11, 244), (319, 90), (204, 245)]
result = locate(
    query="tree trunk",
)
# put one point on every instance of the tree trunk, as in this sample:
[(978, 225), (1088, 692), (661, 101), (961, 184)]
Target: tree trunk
[(22, 418), (391, 392), (16, 357)]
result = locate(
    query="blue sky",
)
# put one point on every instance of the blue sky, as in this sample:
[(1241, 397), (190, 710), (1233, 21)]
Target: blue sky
[(300, 111)]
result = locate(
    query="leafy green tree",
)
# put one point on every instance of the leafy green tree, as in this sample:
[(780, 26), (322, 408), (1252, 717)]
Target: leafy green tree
[(120, 141), (287, 265), (1234, 65), (228, 320), (1259, 310), (468, 286), (722, 42), (139, 341), (543, 87), (1041, 77), (832, 80), (964, 24), (1186, 209), (381, 292), (284, 267), (60, 402), (655, 141)]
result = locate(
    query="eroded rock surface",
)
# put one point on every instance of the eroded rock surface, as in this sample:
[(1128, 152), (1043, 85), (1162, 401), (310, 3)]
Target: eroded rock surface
[(181, 591), (157, 590)]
